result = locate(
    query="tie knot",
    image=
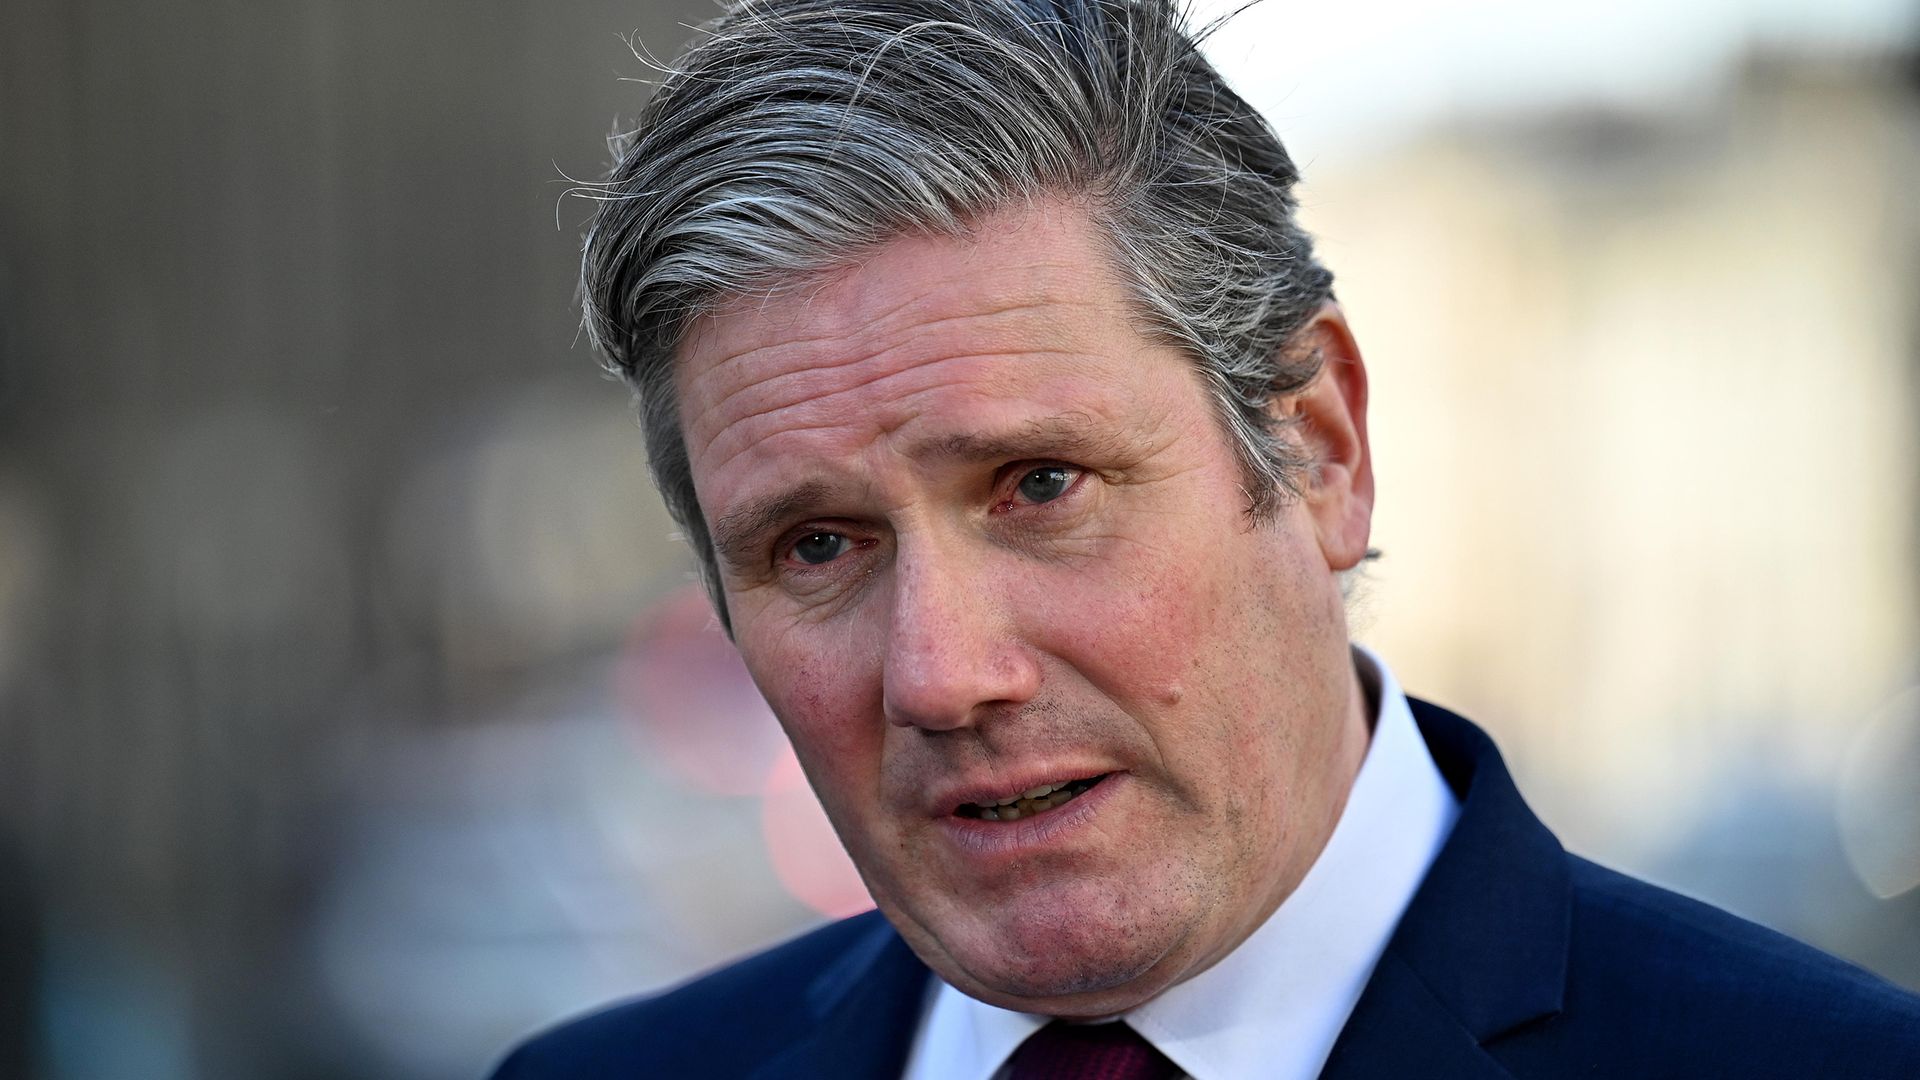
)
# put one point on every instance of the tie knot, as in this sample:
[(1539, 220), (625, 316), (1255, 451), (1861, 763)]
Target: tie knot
[(1062, 1051)]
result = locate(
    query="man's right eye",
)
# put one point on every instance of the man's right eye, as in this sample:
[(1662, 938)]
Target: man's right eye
[(820, 547)]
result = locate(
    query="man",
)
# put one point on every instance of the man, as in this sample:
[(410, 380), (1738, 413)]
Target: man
[(1025, 451)]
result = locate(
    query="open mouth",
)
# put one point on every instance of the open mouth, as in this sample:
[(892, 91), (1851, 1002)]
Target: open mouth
[(1038, 801)]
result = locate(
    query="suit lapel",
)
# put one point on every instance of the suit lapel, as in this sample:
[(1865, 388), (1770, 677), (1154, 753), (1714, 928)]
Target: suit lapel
[(1400, 1029), (1482, 949), (865, 1008)]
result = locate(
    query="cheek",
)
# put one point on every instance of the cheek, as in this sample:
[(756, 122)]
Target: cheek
[(1148, 638), (831, 716), (1201, 643)]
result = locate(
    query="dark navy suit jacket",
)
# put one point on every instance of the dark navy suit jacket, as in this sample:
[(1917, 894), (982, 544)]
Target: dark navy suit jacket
[(1515, 959)]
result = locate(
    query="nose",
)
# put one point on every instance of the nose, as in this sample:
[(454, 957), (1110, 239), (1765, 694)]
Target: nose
[(952, 650)]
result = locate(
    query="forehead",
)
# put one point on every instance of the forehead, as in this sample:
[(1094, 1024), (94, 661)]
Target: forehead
[(1027, 307)]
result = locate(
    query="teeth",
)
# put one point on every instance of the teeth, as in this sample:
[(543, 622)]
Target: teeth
[(1029, 803), (1040, 792)]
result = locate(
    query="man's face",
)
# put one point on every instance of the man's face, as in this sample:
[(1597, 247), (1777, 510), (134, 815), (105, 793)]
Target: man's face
[(979, 537)]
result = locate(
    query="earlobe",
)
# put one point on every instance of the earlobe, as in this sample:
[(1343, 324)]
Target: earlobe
[(1332, 426)]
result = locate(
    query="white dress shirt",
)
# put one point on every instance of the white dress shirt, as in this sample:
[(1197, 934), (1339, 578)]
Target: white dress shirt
[(1273, 1007)]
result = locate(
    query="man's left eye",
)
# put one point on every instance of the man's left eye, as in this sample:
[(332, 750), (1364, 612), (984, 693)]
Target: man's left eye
[(1046, 483), (819, 548)]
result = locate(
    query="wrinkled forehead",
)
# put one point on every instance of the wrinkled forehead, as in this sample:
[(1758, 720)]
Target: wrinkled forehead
[(1035, 280)]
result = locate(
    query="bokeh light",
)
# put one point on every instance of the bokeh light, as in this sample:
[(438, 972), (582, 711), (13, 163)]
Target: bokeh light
[(806, 854), (682, 683)]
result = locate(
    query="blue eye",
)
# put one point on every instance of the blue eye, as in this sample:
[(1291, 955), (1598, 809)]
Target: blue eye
[(821, 547), (1046, 483)]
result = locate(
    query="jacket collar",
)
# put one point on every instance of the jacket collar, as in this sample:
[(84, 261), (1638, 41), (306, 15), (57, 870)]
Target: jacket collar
[(1483, 947), (865, 1008), (1481, 950)]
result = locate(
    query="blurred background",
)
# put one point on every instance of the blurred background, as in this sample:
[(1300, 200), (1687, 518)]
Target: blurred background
[(356, 712)]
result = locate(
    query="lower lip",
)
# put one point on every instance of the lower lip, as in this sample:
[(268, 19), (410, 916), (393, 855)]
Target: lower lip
[(982, 839)]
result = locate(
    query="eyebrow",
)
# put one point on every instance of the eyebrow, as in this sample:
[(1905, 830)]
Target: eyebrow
[(1063, 434), (737, 535), (738, 532)]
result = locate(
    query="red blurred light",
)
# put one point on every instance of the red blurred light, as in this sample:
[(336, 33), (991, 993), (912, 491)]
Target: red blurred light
[(805, 853), (684, 685)]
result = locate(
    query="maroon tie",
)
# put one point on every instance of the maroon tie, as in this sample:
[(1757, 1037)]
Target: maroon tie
[(1062, 1051)]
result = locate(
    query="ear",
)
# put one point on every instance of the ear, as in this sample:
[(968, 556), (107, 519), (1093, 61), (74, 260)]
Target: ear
[(1331, 425)]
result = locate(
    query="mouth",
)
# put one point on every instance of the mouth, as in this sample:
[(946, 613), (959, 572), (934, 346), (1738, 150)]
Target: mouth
[(1027, 804)]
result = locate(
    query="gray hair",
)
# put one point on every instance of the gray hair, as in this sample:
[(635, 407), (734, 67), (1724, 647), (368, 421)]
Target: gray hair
[(798, 135)]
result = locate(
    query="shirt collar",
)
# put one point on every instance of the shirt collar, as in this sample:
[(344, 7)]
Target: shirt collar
[(1275, 1005)]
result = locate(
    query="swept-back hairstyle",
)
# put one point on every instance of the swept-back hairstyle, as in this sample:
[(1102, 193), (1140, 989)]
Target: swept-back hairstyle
[(797, 135)]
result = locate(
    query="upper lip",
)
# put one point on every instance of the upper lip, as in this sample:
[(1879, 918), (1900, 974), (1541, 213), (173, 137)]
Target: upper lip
[(988, 790)]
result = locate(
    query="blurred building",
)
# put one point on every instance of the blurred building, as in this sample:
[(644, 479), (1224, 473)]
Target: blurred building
[(1646, 402)]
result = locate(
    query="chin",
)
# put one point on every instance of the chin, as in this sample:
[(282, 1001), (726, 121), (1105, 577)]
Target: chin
[(1057, 957)]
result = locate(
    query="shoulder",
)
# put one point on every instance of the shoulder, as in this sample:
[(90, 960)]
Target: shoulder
[(1562, 967), (1661, 985), (722, 1023)]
